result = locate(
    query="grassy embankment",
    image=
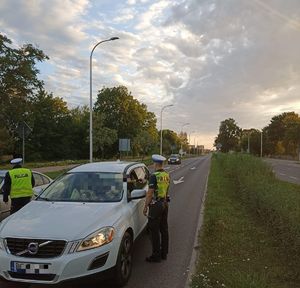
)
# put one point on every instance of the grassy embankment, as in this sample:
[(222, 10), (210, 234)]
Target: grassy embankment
[(250, 237)]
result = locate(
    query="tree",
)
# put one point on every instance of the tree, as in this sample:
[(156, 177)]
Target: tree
[(184, 141), (124, 114), (18, 81), (171, 142), (6, 141), (144, 143), (78, 134), (103, 136), (52, 129), (229, 135), (254, 140), (283, 134)]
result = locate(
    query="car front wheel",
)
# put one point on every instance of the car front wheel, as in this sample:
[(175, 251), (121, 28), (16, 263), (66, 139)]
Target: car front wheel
[(124, 261)]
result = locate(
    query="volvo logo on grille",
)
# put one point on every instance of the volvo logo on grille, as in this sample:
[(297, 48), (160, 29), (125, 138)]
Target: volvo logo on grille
[(33, 248)]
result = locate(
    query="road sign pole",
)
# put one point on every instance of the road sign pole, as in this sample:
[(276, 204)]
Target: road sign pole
[(23, 144)]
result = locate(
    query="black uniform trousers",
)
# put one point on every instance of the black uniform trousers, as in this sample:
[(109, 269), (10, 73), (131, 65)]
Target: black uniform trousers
[(18, 203), (158, 226)]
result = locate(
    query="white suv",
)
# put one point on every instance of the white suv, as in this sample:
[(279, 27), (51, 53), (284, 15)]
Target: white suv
[(85, 222)]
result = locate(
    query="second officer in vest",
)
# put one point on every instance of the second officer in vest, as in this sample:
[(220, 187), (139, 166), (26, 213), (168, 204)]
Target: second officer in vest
[(18, 184), (157, 202)]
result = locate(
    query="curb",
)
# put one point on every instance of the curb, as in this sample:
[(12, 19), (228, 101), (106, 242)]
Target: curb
[(192, 266)]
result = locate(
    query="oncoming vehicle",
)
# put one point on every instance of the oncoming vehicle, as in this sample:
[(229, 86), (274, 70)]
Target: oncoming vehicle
[(84, 223), (174, 159), (41, 182)]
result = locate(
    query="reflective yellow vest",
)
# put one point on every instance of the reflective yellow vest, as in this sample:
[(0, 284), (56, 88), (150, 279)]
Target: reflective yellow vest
[(163, 182), (20, 183)]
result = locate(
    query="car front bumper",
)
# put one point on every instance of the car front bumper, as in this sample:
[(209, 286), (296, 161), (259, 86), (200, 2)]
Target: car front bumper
[(174, 162), (64, 267)]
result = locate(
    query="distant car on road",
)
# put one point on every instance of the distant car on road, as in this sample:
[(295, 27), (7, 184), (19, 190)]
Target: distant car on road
[(41, 182), (174, 159), (83, 223)]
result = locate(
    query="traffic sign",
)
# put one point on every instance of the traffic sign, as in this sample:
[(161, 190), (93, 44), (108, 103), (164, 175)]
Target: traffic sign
[(124, 145), (219, 146)]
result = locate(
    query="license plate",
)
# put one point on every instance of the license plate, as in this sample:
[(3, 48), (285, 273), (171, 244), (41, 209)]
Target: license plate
[(29, 268)]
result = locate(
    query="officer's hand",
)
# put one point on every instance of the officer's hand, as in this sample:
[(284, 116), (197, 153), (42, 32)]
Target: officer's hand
[(145, 210)]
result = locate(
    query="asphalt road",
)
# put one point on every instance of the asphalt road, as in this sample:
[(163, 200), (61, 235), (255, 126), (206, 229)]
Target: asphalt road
[(286, 170), (186, 196)]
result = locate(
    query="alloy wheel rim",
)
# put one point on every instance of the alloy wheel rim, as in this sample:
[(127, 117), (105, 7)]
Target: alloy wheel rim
[(126, 258)]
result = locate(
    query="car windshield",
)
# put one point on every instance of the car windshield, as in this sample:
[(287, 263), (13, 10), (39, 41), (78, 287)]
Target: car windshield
[(85, 187), (174, 155)]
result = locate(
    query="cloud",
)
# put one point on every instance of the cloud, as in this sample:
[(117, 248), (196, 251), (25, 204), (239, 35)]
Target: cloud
[(211, 59)]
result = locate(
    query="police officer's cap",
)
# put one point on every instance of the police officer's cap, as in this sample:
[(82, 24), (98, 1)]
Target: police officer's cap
[(158, 158), (16, 161)]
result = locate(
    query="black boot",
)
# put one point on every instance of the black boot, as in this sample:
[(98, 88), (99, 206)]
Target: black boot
[(153, 259)]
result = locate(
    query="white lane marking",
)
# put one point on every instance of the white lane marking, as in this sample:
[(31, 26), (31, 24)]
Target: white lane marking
[(292, 177), (282, 174), (193, 168), (180, 180)]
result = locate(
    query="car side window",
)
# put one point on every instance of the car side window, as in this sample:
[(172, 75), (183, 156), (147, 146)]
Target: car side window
[(45, 180), (141, 175), (147, 173), (137, 179), (132, 181), (38, 180)]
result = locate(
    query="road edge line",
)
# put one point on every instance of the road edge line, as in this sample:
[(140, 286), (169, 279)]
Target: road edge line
[(193, 262)]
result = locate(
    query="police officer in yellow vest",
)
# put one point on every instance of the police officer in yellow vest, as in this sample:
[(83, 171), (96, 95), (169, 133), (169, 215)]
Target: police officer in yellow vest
[(157, 199), (18, 184)]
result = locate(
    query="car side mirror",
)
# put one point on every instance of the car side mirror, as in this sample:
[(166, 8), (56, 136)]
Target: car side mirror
[(137, 194)]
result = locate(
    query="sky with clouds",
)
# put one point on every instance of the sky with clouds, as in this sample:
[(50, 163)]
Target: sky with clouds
[(212, 59)]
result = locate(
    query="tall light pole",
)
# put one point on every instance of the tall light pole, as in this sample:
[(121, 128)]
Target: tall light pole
[(91, 94), (248, 142), (185, 124), (261, 143), (190, 141), (161, 111)]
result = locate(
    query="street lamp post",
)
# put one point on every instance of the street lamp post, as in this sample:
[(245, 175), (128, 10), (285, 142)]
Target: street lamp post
[(248, 142), (91, 95), (161, 111), (261, 143), (190, 141), (185, 124)]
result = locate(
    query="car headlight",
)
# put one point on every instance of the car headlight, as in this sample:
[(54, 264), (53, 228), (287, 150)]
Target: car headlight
[(97, 239)]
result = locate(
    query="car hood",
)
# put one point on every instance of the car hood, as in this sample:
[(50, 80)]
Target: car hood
[(60, 220)]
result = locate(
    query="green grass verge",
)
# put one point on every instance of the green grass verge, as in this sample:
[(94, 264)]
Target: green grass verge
[(251, 230)]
